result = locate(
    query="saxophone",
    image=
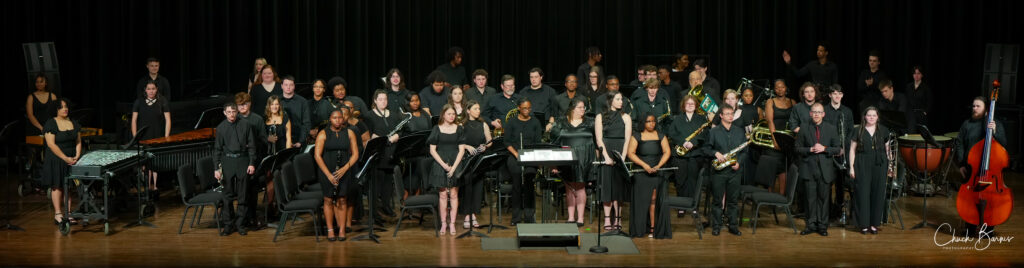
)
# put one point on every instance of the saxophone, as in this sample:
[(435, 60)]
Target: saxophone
[(730, 157), (680, 150)]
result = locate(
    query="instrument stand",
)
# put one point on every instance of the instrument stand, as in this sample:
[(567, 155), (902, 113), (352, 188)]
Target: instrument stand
[(143, 191), (929, 140), (597, 189), (473, 170), (374, 149), (371, 225)]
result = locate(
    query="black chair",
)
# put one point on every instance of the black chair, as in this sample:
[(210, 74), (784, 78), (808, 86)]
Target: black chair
[(776, 200), (291, 187), (307, 172), (689, 204), (428, 200), (290, 207), (192, 199), (207, 182)]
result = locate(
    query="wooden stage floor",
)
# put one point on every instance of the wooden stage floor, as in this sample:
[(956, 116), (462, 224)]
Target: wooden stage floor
[(773, 245)]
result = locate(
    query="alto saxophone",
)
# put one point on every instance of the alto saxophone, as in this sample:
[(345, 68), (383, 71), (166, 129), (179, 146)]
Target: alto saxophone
[(680, 150)]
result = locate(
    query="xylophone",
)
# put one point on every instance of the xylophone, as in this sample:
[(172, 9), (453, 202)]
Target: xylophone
[(176, 150)]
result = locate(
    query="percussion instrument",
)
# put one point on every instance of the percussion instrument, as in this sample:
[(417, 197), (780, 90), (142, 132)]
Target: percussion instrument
[(921, 156), (37, 140), (173, 151)]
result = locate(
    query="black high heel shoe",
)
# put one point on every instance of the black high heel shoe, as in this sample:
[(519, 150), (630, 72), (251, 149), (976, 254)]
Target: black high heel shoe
[(331, 238)]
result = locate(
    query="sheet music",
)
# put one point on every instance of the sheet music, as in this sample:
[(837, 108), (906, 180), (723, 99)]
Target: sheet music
[(546, 155)]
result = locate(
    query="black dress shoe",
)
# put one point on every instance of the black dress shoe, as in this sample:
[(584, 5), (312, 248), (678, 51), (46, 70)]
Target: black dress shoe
[(242, 231), (715, 232), (226, 232), (864, 231), (806, 232), (735, 231), (823, 233)]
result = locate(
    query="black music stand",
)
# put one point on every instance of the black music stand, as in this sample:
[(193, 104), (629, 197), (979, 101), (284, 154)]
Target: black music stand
[(895, 120), (617, 159), (5, 135), (371, 155), (621, 164), (142, 181), (409, 146), (474, 170), (929, 141), (545, 172)]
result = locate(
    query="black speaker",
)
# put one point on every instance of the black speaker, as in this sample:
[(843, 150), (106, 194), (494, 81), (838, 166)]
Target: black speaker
[(1001, 62), (42, 58)]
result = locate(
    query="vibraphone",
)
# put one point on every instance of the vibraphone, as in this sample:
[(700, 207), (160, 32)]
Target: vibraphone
[(93, 167), (176, 150)]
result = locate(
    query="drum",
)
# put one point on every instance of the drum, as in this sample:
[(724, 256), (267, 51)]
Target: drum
[(921, 156)]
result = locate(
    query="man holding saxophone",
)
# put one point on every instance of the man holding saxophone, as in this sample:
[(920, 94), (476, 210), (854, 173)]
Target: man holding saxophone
[(727, 143)]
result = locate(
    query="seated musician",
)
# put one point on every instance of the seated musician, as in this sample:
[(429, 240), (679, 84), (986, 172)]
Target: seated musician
[(649, 150), (521, 130), (725, 183), (684, 125), (153, 111), (575, 131), (63, 148), (234, 153), (972, 131)]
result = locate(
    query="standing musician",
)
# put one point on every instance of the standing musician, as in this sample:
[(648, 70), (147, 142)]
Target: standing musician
[(575, 131), (40, 106), (611, 86), (297, 109), (382, 120), (153, 111), (562, 103), (478, 138), (269, 85), (725, 183), (868, 170), (611, 129), (446, 141), (499, 104), (278, 125), (420, 122), (336, 153), (519, 131), (817, 144), (234, 153), (841, 117), (394, 85), (651, 103), (971, 131), (320, 107), (801, 112), (777, 112), (649, 150), (63, 149), (256, 122), (685, 125), (358, 126)]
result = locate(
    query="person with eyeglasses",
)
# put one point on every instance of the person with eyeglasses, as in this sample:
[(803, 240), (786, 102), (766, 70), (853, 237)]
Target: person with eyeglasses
[(817, 144)]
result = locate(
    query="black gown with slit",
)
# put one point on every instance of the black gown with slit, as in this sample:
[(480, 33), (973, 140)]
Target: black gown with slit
[(644, 185)]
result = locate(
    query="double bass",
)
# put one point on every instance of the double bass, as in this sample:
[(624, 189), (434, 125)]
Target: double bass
[(984, 198)]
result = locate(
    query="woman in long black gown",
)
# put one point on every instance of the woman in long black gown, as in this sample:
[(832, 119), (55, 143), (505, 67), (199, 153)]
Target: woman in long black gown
[(478, 138), (611, 128), (63, 149), (649, 150), (869, 160), (417, 165), (576, 131), (446, 140), (336, 153), (151, 111)]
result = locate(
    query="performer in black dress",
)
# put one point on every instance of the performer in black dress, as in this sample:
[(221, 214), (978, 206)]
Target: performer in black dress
[(63, 148), (270, 85), (649, 150), (478, 138), (418, 166), (524, 129), (576, 131), (684, 125), (382, 120), (336, 153), (151, 111), (446, 141), (611, 128), (457, 99), (777, 112), (40, 106), (256, 74), (356, 124), (279, 126), (869, 165)]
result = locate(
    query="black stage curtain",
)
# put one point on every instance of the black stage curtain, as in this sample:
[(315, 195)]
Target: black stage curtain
[(209, 46)]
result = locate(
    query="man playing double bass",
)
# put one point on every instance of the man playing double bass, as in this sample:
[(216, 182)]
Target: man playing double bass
[(971, 132)]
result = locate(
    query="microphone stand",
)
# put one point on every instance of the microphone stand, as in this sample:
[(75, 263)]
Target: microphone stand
[(598, 188), (143, 177)]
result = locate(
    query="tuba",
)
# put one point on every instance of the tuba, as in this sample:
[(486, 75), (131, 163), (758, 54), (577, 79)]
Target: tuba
[(497, 132), (704, 102), (762, 135)]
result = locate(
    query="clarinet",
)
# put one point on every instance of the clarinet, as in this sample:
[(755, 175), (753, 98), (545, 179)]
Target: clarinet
[(338, 164)]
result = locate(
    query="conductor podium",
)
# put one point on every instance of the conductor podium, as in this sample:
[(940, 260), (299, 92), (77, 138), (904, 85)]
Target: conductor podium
[(547, 235)]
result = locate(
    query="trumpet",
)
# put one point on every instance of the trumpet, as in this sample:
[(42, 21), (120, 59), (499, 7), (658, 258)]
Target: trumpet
[(497, 132), (730, 156), (680, 150), (762, 135)]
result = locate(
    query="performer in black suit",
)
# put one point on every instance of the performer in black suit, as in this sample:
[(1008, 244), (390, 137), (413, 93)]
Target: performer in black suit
[(725, 183), (234, 152), (817, 144)]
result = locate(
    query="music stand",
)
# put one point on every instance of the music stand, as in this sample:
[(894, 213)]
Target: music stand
[(617, 159), (4, 134), (620, 164), (371, 154), (929, 141), (409, 146), (544, 172), (895, 120), (142, 182), (477, 166)]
